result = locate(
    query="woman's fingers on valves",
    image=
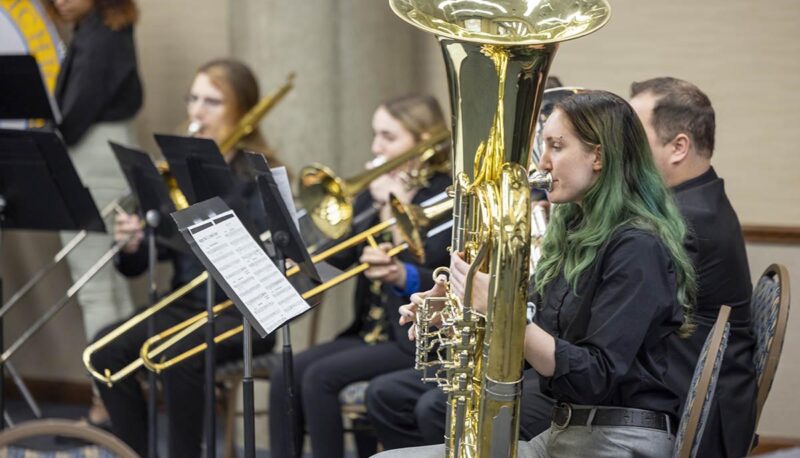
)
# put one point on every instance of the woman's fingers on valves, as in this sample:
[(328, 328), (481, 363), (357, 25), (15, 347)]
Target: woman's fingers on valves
[(412, 333), (408, 313)]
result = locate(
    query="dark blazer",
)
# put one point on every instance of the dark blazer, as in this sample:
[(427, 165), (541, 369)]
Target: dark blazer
[(99, 80), (717, 249), (436, 255)]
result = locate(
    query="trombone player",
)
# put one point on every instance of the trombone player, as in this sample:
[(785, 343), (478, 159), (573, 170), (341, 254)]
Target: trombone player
[(222, 92), (374, 344)]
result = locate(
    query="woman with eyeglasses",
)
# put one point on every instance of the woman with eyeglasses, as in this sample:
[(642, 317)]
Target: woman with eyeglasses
[(221, 94)]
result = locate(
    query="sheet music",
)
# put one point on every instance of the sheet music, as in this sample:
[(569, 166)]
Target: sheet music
[(264, 291)]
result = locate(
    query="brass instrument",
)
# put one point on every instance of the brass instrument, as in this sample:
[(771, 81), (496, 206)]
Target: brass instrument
[(109, 378), (327, 197), (244, 127), (497, 55), (412, 220), (247, 124)]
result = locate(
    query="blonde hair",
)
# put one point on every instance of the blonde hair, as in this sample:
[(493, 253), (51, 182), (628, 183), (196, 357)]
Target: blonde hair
[(420, 114)]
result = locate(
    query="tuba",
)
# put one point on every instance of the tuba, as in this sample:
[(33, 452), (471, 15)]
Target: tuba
[(497, 55)]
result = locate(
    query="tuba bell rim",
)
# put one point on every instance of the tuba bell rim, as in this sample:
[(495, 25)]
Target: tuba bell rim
[(407, 14)]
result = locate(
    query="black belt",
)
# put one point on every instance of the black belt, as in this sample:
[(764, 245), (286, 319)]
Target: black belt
[(566, 415)]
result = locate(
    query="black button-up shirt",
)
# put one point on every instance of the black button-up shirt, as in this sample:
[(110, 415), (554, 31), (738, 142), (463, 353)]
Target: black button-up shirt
[(610, 336)]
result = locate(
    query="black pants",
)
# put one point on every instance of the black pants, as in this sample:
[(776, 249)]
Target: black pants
[(408, 413), (183, 384), (320, 373)]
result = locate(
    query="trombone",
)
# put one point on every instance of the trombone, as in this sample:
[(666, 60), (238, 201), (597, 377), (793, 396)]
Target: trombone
[(410, 218), (245, 126), (110, 378), (327, 197)]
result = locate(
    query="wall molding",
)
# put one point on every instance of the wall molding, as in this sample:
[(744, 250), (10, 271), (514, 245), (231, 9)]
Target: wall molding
[(789, 235)]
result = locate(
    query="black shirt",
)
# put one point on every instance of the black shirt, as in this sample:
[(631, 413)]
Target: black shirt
[(610, 336), (717, 249), (99, 80)]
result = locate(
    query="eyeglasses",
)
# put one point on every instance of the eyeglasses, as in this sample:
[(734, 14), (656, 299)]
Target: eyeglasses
[(208, 102)]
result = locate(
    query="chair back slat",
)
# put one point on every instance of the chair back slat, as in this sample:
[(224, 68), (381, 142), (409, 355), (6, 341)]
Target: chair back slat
[(702, 387), (770, 307)]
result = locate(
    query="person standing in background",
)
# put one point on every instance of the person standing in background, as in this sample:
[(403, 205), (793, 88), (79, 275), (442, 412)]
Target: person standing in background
[(98, 92)]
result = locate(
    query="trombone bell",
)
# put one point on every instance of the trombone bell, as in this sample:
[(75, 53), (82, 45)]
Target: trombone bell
[(324, 198)]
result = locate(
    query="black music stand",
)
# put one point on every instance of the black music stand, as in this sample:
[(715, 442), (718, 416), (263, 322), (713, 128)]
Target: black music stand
[(286, 243), (154, 206), (40, 190), (151, 192), (24, 95), (201, 172)]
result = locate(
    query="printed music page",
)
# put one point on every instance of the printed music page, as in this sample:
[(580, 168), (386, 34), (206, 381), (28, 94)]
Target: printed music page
[(256, 283)]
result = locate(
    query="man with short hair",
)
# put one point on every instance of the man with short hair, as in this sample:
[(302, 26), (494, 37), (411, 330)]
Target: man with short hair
[(680, 124)]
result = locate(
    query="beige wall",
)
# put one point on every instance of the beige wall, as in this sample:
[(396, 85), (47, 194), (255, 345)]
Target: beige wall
[(350, 54)]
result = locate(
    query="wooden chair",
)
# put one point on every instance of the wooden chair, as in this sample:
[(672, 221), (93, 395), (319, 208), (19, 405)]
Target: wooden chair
[(701, 390), (770, 306)]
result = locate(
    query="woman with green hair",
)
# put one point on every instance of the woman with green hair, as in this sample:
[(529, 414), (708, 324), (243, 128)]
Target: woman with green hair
[(612, 283)]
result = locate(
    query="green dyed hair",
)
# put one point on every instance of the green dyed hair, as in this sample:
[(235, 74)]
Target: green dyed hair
[(629, 191)]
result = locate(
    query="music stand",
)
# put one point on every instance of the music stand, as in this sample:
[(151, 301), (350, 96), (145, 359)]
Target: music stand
[(24, 95), (287, 243), (155, 205), (201, 173), (151, 192), (40, 190)]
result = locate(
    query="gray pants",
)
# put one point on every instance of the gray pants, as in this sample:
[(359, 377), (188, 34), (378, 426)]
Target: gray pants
[(106, 298), (575, 441)]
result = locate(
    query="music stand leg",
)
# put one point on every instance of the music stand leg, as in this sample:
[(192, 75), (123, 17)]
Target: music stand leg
[(152, 387), (23, 389), (210, 404), (2, 368), (248, 395), (288, 374)]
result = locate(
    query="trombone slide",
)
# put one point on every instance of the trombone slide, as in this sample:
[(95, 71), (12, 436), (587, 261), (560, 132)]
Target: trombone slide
[(187, 327)]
